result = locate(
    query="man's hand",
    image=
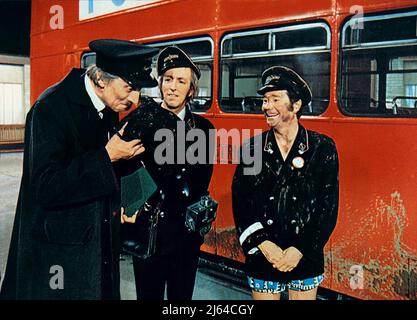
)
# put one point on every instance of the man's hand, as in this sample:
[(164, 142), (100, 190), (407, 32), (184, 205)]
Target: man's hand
[(119, 149), (124, 218), (291, 258), (271, 251)]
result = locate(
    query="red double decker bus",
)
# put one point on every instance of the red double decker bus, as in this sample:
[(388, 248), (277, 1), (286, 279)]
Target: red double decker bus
[(360, 58)]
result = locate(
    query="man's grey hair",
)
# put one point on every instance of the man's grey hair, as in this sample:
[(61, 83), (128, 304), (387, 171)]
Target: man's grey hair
[(194, 86), (96, 74)]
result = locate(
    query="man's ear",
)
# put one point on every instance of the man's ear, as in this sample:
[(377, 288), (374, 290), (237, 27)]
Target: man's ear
[(101, 83), (297, 106)]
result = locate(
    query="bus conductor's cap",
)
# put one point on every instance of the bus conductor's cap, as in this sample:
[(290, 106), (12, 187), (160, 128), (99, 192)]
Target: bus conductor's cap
[(126, 59), (173, 57), (283, 78)]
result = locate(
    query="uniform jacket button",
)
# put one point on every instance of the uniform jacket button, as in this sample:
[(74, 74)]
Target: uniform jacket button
[(162, 214), (269, 222)]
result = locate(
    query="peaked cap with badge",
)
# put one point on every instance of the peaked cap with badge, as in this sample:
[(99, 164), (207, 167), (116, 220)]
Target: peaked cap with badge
[(128, 60), (173, 57), (283, 78)]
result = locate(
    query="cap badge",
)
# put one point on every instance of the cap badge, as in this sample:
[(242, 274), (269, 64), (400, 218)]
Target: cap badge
[(302, 148), (298, 162), (272, 77), (171, 57)]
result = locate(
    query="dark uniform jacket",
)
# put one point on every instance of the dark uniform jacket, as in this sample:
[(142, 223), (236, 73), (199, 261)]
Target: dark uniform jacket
[(64, 219), (181, 183), (291, 203)]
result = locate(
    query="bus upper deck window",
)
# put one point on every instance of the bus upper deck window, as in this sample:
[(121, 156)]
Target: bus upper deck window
[(379, 66), (245, 55), (246, 44)]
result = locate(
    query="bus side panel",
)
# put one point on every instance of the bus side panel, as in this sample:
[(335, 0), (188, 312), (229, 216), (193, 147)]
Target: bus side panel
[(46, 71), (354, 6), (46, 13), (376, 230), (132, 25), (270, 10)]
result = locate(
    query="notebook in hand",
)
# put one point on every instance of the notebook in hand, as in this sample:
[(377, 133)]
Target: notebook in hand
[(136, 188)]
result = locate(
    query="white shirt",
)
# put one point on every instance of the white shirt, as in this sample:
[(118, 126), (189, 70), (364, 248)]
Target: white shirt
[(98, 104), (181, 114)]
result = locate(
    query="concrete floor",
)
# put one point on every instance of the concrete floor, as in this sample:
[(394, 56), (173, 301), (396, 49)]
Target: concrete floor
[(207, 287), (10, 175)]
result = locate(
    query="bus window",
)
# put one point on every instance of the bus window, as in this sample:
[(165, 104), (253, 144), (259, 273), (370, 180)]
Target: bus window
[(245, 55), (379, 66), (87, 59), (200, 50)]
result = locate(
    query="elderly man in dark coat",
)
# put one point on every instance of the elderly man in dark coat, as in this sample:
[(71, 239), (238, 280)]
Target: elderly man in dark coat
[(65, 236), (285, 213)]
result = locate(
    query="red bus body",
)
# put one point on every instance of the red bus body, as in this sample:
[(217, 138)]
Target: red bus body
[(377, 222)]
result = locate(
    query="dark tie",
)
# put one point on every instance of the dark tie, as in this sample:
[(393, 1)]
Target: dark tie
[(108, 120)]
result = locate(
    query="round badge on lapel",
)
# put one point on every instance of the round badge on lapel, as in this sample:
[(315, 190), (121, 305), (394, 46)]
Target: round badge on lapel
[(298, 162)]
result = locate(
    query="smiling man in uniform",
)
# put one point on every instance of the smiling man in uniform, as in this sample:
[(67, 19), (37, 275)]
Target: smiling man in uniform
[(285, 214)]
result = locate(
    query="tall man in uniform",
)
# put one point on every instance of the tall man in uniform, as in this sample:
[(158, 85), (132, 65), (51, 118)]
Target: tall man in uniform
[(177, 250), (65, 236)]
